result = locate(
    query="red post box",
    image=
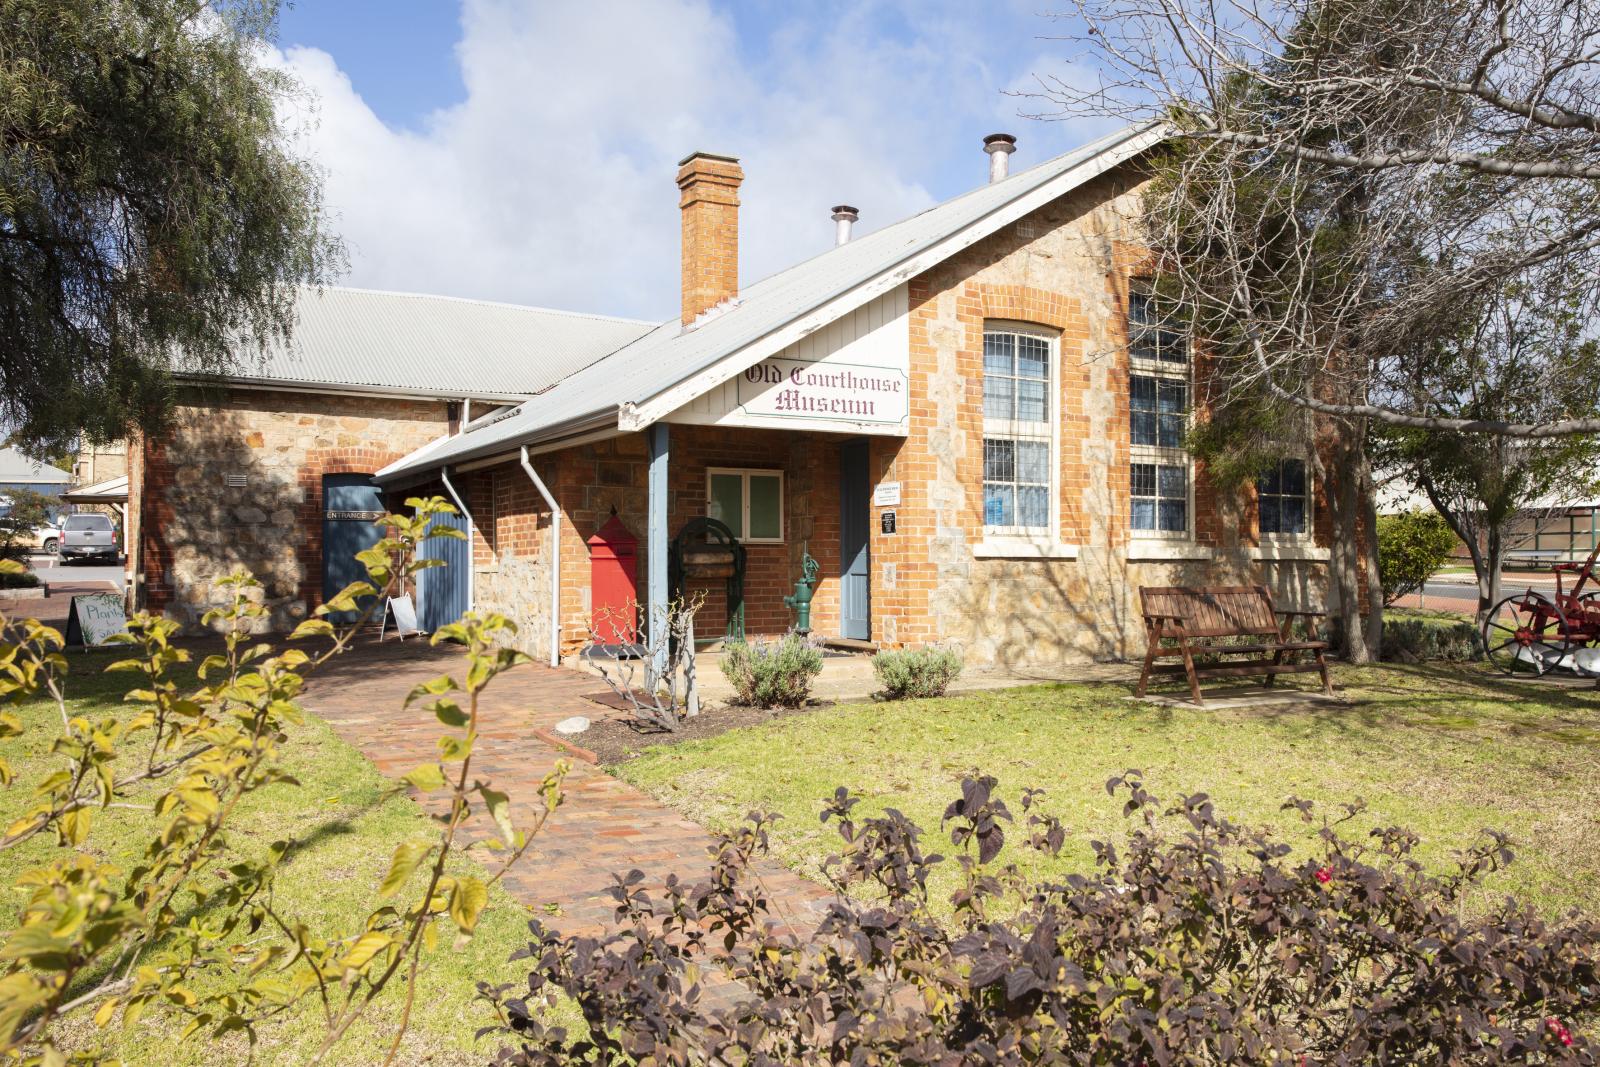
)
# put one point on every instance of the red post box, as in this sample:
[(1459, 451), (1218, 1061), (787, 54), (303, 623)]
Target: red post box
[(614, 584)]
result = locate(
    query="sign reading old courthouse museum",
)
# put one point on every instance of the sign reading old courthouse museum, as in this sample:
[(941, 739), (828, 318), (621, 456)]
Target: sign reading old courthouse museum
[(796, 388)]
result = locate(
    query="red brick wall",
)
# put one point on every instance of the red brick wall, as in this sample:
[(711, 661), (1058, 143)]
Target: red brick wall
[(589, 481), (709, 203)]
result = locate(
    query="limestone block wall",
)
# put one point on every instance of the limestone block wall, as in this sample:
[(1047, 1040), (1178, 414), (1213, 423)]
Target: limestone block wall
[(237, 482), (1065, 267)]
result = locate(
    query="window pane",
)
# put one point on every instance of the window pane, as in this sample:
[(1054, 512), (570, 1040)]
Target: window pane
[(1173, 347), (999, 397), (1174, 515), (1294, 477), (1143, 479), (727, 502), (1139, 309), (766, 506), (1033, 462), (1142, 389), (1271, 521), (1172, 429), (1144, 514), (1175, 482), (998, 505), (1144, 427), (1033, 357), (1031, 406), (1292, 515), (1033, 506), (999, 461), (1143, 344), (997, 349), (1174, 396), (1271, 481)]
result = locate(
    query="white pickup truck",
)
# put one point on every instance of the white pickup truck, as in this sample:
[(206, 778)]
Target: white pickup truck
[(88, 536)]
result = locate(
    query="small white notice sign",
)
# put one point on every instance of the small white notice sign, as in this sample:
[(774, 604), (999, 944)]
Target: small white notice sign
[(886, 495), (93, 617), (404, 612)]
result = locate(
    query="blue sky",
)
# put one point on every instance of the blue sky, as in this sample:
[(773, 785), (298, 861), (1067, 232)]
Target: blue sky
[(524, 151)]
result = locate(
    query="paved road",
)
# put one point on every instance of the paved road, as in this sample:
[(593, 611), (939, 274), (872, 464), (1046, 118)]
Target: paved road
[(53, 572)]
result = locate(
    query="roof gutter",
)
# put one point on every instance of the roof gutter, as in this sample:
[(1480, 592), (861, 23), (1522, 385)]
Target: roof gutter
[(565, 434), (277, 385)]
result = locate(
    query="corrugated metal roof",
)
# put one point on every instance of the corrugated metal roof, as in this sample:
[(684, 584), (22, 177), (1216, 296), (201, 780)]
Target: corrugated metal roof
[(432, 345), (18, 469), (671, 354)]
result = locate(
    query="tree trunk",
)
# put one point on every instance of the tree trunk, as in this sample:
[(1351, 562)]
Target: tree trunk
[(1367, 550), (1489, 578), (1485, 564), (1344, 565)]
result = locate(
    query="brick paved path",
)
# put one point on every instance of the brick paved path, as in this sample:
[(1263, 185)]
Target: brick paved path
[(604, 826)]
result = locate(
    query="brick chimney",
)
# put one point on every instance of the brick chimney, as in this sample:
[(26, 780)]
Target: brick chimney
[(710, 207)]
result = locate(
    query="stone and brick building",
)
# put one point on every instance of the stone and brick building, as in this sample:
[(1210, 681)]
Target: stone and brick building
[(971, 419)]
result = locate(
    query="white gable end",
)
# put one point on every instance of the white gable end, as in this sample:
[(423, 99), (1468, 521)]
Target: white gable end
[(851, 376)]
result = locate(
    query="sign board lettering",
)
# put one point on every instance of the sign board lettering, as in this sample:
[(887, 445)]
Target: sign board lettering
[(843, 392), (886, 495), (887, 522), (354, 516), (93, 617)]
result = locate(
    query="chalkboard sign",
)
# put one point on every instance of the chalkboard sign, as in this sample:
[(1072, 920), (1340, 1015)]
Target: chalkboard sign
[(404, 613), (94, 617)]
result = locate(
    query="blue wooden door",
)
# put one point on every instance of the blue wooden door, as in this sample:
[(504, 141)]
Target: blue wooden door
[(855, 517), (350, 503), (443, 590)]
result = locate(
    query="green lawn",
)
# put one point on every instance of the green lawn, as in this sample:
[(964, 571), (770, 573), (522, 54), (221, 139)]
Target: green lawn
[(348, 820), (1443, 750)]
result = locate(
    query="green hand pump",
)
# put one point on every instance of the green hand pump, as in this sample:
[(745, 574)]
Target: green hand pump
[(804, 590)]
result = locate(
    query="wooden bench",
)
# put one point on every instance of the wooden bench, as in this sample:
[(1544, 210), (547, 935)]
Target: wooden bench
[(1198, 618)]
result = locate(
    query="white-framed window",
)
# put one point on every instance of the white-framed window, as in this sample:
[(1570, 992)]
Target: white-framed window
[(749, 502), (1019, 430), (1283, 501), (1161, 476)]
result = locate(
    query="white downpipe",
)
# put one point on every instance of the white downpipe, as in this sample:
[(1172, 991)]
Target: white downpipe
[(455, 498), (555, 559)]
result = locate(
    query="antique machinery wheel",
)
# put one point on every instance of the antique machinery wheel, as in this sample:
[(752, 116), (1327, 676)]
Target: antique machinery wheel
[(1525, 634)]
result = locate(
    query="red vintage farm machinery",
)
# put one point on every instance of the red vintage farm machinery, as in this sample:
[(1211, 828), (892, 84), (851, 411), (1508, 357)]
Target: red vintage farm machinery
[(1535, 633)]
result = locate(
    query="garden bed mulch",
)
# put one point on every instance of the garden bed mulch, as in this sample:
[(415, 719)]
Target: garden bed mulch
[(615, 740)]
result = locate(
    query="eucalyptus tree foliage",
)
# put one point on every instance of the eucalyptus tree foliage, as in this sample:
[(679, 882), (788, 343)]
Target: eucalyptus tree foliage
[(1360, 174), (150, 204)]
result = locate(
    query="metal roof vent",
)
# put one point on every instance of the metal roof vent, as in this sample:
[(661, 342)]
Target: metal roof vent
[(999, 146), (844, 217)]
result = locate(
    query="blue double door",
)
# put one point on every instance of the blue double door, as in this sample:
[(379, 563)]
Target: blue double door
[(443, 592), (350, 505)]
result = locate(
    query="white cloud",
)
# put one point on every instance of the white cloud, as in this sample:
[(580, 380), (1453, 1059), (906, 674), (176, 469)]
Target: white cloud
[(552, 181)]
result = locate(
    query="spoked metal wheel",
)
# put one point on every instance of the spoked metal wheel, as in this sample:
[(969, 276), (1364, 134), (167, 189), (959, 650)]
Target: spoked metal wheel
[(1526, 634)]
